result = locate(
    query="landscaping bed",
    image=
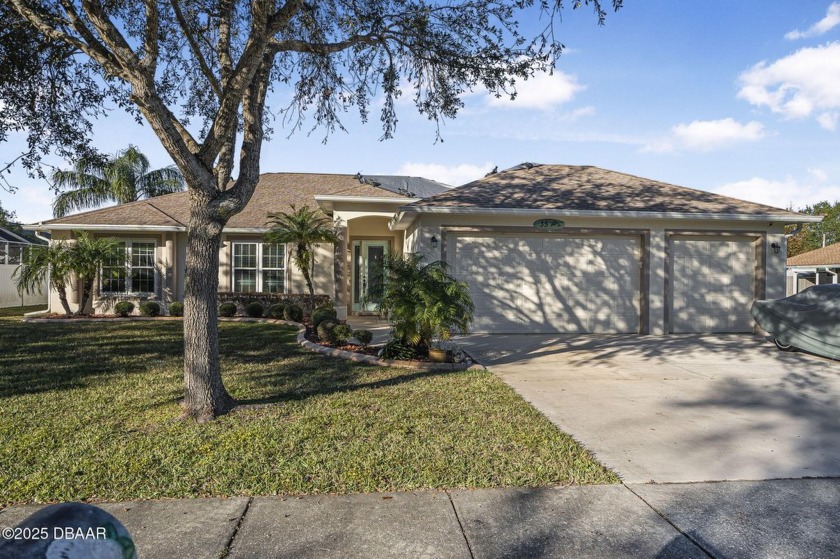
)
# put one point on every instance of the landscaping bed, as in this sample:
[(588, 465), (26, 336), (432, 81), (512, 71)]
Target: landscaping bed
[(88, 412)]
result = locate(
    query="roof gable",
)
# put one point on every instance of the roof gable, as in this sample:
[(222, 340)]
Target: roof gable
[(586, 188)]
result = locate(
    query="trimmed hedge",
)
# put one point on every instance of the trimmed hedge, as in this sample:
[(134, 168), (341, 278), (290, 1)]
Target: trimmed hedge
[(320, 315), (150, 308), (276, 311), (176, 308), (227, 309), (124, 308), (341, 334), (241, 300), (293, 313), (325, 330), (254, 310), (364, 337)]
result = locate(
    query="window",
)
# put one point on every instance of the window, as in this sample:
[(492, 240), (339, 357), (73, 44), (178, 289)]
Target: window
[(132, 273), (259, 267)]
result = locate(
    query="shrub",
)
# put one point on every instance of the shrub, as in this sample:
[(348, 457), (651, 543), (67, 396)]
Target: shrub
[(276, 311), (176, 308), (325, 330), (293, 313), (149, 308), (424, 302), (341, 334), (322, 314), (124, 308), (254, 310), (395, 349), (364, 337), (227, 309)]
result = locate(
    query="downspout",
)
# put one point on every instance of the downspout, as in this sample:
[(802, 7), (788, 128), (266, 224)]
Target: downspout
[(795, 231), (49, 289)]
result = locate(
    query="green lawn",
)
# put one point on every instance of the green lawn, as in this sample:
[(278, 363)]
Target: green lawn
[(88, 412)]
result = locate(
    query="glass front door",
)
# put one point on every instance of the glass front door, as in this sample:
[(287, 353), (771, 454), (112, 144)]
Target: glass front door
[(368, 274)]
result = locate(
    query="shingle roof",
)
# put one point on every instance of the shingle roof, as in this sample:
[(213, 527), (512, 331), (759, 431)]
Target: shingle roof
[(274, 193), (585, 188), (825, 256)]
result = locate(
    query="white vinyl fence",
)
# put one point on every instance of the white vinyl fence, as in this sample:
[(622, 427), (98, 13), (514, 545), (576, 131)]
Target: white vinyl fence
[(11, 254)]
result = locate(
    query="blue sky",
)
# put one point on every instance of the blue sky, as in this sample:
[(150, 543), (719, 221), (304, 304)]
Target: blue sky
[(737, 97)]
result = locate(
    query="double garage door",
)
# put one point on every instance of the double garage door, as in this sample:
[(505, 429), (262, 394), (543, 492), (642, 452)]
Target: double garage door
[(593, 284)]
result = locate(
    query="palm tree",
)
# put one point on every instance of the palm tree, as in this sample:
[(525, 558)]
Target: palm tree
[(123, 178), (61, 261), (303, 229), (423, 302), (41, 262), (86, 257)]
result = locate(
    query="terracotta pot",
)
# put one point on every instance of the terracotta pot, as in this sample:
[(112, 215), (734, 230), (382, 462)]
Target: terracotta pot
[(437, 355)]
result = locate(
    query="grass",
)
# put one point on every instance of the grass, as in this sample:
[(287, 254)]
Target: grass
[(20, 311), (88, 412)]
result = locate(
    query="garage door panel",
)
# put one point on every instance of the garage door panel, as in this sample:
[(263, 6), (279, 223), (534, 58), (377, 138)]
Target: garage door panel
[(551, 283), (712, 285)]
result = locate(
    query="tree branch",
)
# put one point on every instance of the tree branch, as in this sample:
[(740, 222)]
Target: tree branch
[(194, 48), (150, 42)]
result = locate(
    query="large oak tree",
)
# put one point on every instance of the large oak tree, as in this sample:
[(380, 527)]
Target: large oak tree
[(199, 72)]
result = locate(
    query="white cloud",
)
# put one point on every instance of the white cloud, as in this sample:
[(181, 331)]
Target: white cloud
[(454, 175), (786, 193), (799, 85), (826, 24), (707, 135), (819, 175), (541, 92)]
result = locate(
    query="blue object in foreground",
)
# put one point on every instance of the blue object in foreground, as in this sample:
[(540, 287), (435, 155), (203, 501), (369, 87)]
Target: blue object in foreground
[(809, 320), (67, 531)]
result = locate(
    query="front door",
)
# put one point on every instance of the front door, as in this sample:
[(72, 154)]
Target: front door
[(368, 274)]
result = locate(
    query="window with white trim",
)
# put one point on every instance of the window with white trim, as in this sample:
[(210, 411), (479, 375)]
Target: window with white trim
[(259, 267), (132, 273)]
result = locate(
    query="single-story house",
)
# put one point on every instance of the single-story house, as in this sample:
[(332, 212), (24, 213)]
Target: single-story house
[(12, 247), (814, 267), (544, 248)]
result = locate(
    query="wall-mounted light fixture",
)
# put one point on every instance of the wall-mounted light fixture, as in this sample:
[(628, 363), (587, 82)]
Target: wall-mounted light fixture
[(776, 247), (434, 241)]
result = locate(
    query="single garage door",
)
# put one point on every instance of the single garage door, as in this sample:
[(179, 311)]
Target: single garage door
[(713, 284), (547, 284)]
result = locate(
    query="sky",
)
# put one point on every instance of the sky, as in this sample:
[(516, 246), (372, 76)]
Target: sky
[(739, 97)]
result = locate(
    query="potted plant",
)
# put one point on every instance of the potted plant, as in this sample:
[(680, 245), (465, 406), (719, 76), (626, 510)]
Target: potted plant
[(436, 353)]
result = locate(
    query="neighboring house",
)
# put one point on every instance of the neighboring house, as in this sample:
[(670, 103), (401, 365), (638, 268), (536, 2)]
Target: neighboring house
[(814, 267), (545, 248), (12, 247)]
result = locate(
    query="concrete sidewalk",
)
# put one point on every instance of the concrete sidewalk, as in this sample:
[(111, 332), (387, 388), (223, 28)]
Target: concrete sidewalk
[(777, 518)]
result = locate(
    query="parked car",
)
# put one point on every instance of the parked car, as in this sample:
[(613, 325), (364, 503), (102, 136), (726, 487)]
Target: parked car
[(809, 320)]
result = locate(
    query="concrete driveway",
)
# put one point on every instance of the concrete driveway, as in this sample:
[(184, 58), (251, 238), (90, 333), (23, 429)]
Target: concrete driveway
[(681, 408)]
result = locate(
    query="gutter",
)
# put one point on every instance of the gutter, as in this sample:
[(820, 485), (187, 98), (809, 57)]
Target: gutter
[(402, 220), (41, 226)]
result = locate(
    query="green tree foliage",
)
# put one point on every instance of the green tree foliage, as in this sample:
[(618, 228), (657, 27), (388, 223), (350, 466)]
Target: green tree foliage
[(424, 302), (123, 178), (199, 72), (303, 228), (811, 236)]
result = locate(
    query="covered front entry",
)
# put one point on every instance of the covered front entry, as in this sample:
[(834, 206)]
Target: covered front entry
[(368, 274), (713, 284), (532, 283)]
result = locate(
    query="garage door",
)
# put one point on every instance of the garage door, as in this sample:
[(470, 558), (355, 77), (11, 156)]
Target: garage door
[(713, 285), (546, 284)]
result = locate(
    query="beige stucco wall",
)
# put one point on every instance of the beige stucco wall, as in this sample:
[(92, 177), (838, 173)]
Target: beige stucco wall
[(419, 233)]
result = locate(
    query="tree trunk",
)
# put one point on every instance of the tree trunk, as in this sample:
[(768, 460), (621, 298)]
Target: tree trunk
[(87, 287), (310, 287), (62, 296), (205, 395)]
